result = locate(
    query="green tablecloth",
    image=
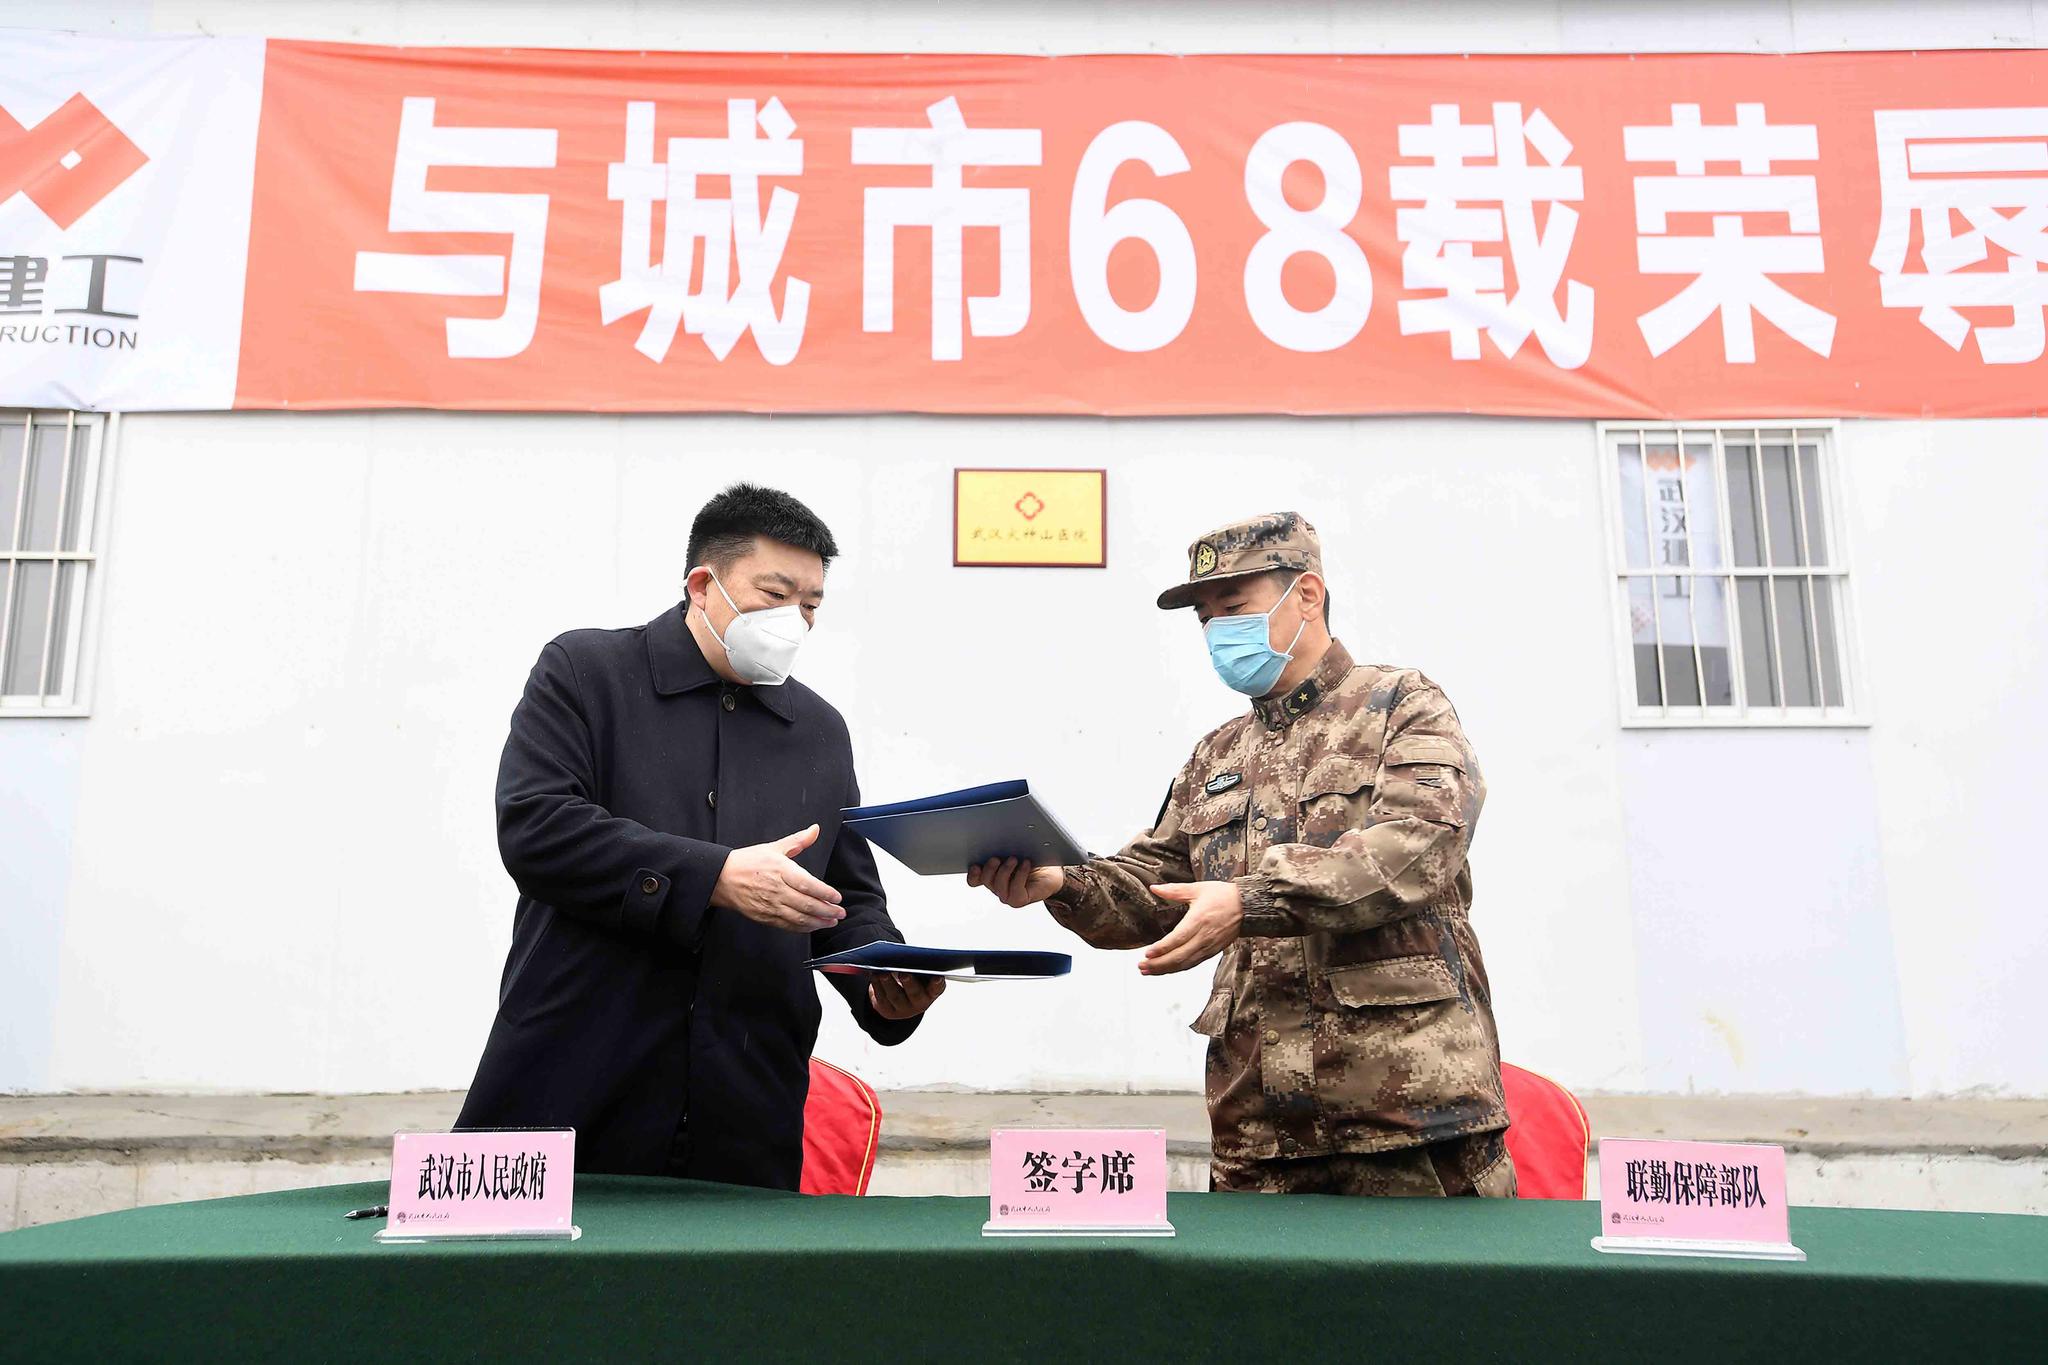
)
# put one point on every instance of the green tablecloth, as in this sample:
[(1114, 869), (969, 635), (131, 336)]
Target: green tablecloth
[(676, 1270)]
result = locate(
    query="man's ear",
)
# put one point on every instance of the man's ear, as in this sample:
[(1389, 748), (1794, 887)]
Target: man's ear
[(1312, 593), (696, 583)]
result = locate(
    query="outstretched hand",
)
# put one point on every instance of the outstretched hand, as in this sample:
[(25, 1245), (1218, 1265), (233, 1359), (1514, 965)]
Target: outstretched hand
[(764, 883), (1017, 882), (1213, 920)]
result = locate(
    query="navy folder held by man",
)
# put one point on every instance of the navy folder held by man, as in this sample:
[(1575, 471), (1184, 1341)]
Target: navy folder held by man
[(956, 964), (944, 835)]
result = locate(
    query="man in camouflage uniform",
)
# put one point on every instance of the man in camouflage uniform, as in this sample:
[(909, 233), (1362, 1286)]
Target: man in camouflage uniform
[(1318, 844)]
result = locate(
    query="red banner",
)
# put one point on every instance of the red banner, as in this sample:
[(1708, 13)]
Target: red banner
[(1723, 236)]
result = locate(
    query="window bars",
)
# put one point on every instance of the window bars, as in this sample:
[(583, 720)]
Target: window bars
[(1729, 575), (49, 490)]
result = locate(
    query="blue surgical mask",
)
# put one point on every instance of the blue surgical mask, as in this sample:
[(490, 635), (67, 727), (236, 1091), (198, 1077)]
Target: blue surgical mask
[(1241, 649)]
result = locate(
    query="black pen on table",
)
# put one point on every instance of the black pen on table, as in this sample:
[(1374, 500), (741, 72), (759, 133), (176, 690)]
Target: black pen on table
[(374, 1211)]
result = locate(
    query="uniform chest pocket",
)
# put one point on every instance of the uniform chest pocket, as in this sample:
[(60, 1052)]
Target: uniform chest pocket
[(1335, 797), (1420, 979), (1215, 831)]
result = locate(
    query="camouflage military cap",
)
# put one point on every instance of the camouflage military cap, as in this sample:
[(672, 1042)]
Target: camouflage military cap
[(1277, 540)]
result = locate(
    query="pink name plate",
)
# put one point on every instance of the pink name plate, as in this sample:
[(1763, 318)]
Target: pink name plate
[(1051, 1182), (508, 1182), (1694, 1199)]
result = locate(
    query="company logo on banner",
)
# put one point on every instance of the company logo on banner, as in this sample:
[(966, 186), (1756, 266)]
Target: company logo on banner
[(1698, 236), (67, 163), (124, 188)]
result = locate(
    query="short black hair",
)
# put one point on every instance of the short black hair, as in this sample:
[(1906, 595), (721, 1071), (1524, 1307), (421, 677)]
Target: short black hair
[(727, 526)]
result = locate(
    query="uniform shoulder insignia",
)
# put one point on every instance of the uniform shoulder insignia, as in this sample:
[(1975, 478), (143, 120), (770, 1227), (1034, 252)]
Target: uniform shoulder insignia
[(1222, 783)]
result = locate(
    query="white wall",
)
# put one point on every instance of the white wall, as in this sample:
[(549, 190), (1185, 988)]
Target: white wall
[(1948, 523), (266, 860), (38, 798), (280, 866), (283, 873)]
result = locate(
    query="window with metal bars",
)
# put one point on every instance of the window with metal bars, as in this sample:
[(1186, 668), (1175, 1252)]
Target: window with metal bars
[(49, 487), (1730, 590)]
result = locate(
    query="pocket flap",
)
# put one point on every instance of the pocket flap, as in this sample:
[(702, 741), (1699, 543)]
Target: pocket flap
[(1202, 816), (1215, 1016), (1426, 749), (1339, 774), (1413, 980)]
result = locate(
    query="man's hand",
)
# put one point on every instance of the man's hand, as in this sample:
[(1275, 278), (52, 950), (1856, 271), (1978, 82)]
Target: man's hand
[(1215, 915), (763, 883), (897, 996), (1017, 882)]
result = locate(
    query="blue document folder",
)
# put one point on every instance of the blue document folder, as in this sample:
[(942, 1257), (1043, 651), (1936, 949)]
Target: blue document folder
[(948, 833), (955, 964)]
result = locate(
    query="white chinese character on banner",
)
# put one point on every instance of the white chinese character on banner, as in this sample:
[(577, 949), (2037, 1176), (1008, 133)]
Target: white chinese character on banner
[(719, 311), (1731, 269), (1463, 205), (1991, 167), (947, 208), (422, 146)]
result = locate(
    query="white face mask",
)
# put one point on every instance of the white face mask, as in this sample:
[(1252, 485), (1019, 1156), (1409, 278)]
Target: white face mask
[(761, 646)]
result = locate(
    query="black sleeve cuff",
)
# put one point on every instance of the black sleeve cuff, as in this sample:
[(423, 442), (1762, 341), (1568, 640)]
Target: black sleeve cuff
[(640, 910), (673, 907)]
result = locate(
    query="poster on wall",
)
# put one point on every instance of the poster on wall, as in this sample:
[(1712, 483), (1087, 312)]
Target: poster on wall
[(1030, 518), (213, 223)]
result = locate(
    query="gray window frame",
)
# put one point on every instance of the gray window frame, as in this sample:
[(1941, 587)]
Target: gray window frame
[(1744, 712), (83, 486)]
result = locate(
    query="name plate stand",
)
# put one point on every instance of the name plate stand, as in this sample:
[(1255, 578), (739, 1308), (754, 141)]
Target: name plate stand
[(1694, 1199), (1077, 1182), (501, 1183)]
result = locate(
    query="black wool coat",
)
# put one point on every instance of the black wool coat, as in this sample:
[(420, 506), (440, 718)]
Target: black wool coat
[(675, 1037)]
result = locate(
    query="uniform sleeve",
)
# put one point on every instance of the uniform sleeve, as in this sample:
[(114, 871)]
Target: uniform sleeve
[(1109, 901), (563, 848), (851, 872), (1409, 849)]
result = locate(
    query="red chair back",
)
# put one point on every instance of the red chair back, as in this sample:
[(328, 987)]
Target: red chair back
[(1547, 1136), (842, 1129)]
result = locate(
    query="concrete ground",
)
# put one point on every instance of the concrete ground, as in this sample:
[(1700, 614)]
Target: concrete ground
[(66, 1156)]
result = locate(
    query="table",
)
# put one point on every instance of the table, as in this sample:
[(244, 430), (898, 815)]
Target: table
[(674, 1269)]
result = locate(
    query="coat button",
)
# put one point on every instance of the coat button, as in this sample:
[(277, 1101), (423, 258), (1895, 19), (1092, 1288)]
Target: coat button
[(1259, 823), (711, 799), (1289, 1145), (1272, 1035), (649, 885), (727, 702)]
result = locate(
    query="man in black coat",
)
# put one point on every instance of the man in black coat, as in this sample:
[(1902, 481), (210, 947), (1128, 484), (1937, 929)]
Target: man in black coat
[(668, 807)]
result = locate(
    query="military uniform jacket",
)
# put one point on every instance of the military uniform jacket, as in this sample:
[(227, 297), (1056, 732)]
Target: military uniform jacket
[(1353, 1013)]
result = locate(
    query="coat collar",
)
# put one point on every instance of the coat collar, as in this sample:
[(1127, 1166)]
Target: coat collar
[(678, 665), (1281, 711)]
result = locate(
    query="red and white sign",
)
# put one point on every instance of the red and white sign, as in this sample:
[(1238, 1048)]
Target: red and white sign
[(1694, 1199), (1091, 1181), (1613, 236), (487, 1183), (125, 173)]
